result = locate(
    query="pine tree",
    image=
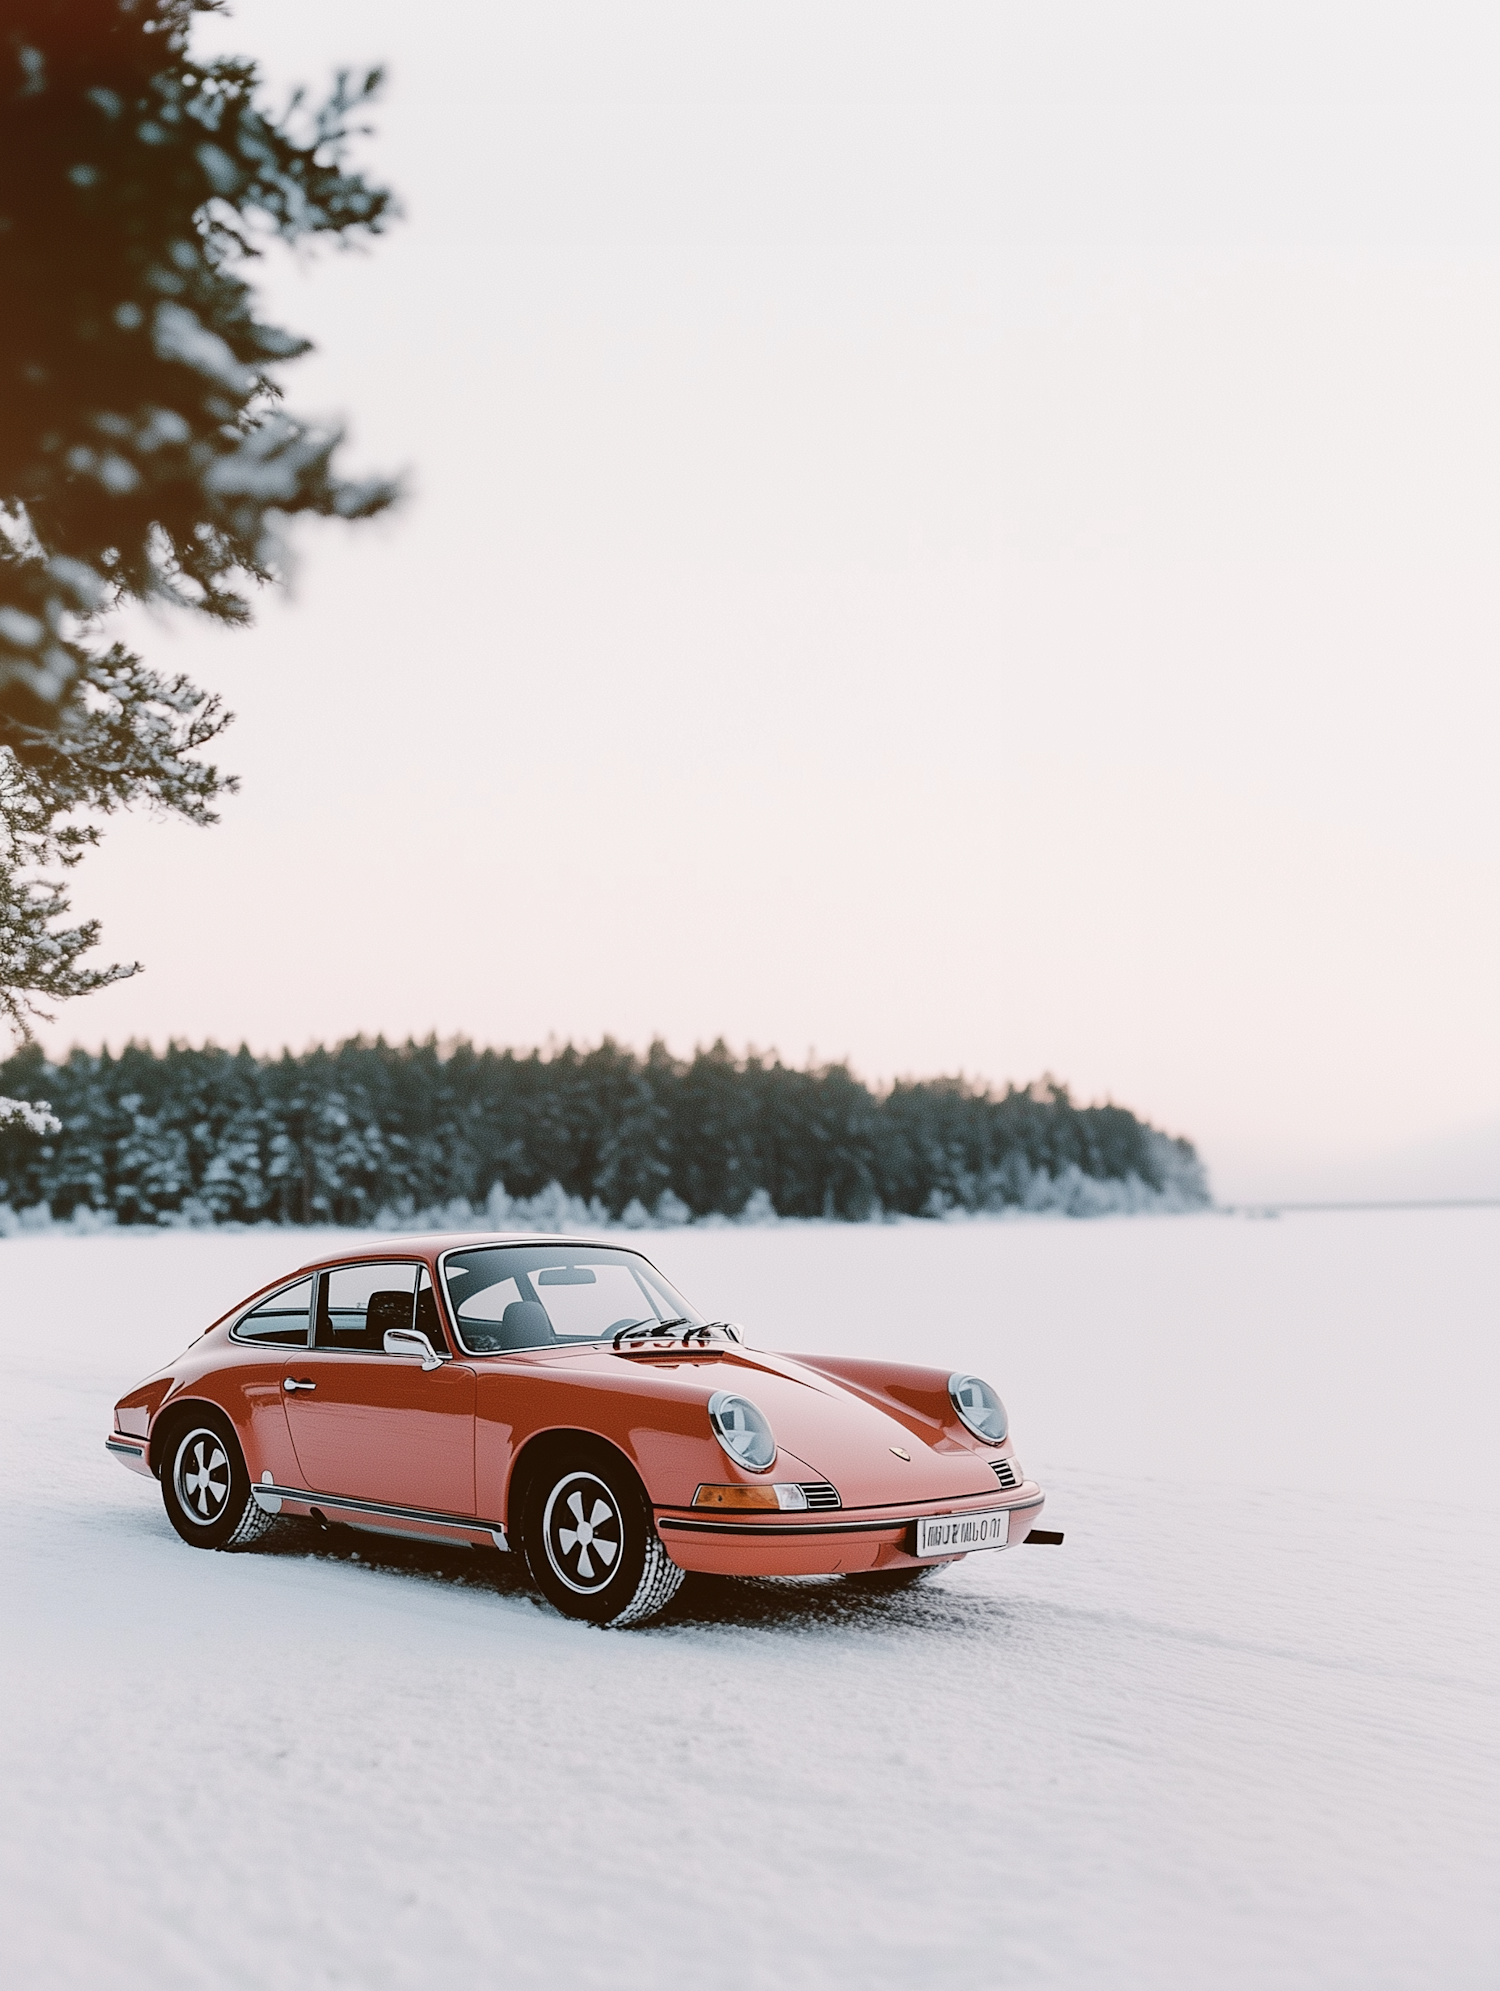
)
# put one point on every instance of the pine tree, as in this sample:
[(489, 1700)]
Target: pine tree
[(342, 1136)]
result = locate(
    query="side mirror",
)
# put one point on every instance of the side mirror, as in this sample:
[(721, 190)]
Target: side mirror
[(412, 1341)]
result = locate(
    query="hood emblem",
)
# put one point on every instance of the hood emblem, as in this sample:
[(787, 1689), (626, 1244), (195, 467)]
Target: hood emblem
[(900, 1454)]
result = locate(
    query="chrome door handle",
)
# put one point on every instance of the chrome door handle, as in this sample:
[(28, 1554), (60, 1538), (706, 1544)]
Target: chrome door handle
[(291, 1383)]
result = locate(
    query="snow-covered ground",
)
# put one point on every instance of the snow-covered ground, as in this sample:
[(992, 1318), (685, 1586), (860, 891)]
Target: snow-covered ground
[(1240, 1731)]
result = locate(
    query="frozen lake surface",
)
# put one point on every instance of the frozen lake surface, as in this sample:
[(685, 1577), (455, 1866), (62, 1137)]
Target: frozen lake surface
[(1240, 1731)]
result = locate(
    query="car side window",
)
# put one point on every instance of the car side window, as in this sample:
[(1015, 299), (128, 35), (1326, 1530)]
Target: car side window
[(357, 1304), (281, 1319)]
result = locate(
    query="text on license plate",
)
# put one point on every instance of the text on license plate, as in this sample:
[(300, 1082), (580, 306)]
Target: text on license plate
[(961, 1534)]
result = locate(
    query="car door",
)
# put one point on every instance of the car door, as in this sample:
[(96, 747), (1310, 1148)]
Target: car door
[(373, 1426)]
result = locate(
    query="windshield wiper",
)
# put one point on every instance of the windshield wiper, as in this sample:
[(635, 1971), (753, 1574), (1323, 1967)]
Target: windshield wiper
[(725, 1327), (646, 1328)]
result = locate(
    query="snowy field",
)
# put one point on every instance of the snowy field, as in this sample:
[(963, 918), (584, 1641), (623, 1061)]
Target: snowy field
[(1240, 1731)]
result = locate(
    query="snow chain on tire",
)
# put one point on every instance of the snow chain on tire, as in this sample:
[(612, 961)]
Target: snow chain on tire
[(255, 1523), (661, 1579)]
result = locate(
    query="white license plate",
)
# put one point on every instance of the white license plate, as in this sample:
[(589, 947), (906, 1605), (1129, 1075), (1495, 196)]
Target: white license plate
[(962, 1534)]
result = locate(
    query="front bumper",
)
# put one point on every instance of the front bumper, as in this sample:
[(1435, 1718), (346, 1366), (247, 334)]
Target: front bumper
[(854, 1538)]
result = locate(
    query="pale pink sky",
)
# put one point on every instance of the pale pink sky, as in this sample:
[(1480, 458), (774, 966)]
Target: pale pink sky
[(961, 536)]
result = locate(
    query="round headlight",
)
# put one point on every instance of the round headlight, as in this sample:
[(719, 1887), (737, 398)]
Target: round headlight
[(979, 1408), (743, 1431)]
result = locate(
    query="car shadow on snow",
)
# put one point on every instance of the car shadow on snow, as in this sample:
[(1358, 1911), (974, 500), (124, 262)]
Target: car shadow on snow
[(772, 1604), (801, 1603)]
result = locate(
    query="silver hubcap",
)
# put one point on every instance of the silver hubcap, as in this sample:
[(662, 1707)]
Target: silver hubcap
[(582, 1531), (201, 1477)]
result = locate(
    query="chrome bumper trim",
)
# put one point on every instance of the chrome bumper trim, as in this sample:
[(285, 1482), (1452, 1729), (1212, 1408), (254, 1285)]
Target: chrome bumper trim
[(782, 1528), (891, 1523)]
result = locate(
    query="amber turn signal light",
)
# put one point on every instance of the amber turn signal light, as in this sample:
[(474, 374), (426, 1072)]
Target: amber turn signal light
[(736, 1496), (752, 1496)]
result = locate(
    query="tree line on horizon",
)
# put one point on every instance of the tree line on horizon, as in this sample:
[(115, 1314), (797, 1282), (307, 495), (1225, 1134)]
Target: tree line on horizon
[(375, 1133)]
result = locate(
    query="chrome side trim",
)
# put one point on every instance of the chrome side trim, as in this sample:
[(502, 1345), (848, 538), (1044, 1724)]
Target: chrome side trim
[(472, 1522), (119, 1445)]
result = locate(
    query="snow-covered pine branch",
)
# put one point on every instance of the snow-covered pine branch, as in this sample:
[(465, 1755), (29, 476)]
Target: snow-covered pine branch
[(35, 1115)]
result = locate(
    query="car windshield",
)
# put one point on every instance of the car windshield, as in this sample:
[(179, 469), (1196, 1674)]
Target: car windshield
[(544, 1295)]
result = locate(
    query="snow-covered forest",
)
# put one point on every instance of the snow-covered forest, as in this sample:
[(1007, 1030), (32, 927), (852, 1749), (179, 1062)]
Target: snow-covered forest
[(371, 1133)]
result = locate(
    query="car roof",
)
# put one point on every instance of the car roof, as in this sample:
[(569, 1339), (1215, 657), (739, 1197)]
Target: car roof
[(430, 1244)]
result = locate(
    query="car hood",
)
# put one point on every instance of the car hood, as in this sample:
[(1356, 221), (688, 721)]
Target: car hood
[(823, 1429)]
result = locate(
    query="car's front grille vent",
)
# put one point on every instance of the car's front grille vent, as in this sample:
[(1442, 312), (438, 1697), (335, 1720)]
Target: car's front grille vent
[(1005, 1472), (821, 1494)]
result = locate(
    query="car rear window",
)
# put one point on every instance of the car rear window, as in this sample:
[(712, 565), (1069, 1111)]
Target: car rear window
[(281, 1319)]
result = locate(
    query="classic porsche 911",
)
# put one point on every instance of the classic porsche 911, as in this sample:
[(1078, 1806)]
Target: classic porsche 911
[(560, 1398)]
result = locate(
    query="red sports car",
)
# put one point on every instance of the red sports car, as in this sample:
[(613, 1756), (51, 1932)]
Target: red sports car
[(560, 1398)]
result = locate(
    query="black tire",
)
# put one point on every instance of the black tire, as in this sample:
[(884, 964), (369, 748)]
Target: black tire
[(204, 1485), (590, 1540)]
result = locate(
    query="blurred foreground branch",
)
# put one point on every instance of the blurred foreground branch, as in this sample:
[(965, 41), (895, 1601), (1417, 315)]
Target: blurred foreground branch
[(144, 451)]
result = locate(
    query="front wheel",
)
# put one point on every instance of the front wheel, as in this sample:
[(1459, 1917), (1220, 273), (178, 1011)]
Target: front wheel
[(205, 1486), (590, 1542)]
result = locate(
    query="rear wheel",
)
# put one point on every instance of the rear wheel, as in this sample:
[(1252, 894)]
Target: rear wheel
[(205, 1486), (591, 1543)]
